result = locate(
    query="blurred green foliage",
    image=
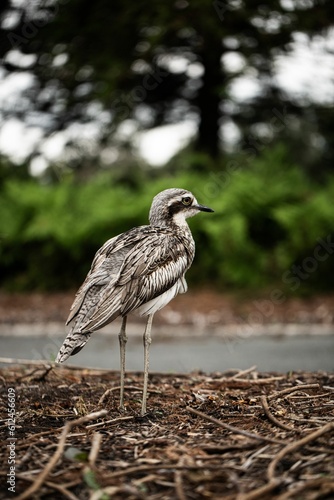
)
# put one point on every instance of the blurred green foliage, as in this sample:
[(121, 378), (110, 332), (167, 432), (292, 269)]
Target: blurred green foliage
[(269, 216)]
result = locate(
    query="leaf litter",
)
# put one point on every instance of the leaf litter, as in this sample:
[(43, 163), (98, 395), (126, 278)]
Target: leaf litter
[(235, 435)]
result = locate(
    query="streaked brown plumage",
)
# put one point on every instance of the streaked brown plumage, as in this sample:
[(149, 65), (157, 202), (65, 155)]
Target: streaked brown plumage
[(139, 270)]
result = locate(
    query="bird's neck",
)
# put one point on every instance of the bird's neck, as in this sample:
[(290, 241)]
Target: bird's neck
[(179, 220), (173, 220)]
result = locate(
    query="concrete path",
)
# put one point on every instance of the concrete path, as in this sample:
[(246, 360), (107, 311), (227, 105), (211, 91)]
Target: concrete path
[(186, 353)]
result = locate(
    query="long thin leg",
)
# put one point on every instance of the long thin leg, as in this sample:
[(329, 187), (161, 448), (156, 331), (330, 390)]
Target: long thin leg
[(122, 344), (147, 342)]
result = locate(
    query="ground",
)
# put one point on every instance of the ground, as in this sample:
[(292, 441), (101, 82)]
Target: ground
[(194, 306), (237, 435)]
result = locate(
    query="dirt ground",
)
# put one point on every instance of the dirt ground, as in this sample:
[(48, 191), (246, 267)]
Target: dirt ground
[(201, 306), (237, 435)]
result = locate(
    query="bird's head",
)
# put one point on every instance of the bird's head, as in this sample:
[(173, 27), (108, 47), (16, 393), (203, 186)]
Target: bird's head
[(174, 206)]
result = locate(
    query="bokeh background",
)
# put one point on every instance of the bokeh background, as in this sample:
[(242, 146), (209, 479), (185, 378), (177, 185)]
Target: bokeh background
[(103, 104)]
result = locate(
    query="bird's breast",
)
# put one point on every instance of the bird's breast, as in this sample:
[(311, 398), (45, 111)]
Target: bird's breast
[(162, 300)]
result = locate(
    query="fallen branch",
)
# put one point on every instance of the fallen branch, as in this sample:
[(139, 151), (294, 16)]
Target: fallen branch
[(294, 446), (147, 468), (17, 361), (114, 389), (255, 381), (307, 396), (179, 482), (43, 363), (61, 488), (60, 448), (320, 483), (273, 419), (293, 389), (47, 369), (235, 430), (232, 381), (243, 372), (249, 461), (94, 451), (112, 421), (259, 492)]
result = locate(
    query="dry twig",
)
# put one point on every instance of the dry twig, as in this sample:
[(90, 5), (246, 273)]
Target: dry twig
[(62, 489), (173, 453), (295, 445), (147, 468), (233, 429), (288, 390), (273, 481), (94, 451), (243, 372), (273, 419), (113, 389), (112, 421), (178, 480), (259, 492), (42, 363), (320, 483), (60, 448)]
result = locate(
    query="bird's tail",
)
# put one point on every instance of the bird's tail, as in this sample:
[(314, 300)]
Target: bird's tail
[(73, 343)]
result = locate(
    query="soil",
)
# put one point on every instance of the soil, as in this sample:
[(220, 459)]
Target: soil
[(204, 306), (237, 435)]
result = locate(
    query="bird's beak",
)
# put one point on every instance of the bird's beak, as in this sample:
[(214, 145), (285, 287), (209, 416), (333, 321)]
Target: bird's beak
[(202, 208)]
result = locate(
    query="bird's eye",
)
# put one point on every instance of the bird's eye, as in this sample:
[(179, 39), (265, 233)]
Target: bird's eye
[(186, 200)]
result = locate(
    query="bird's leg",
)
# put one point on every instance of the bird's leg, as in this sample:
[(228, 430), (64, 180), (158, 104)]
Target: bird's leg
[(122, 343), (147, 341)]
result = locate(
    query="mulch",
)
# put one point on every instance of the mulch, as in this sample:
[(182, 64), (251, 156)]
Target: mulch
[(237, 435)]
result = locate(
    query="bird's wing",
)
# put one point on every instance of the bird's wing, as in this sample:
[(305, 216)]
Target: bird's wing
[(104, 269), (152, 266)]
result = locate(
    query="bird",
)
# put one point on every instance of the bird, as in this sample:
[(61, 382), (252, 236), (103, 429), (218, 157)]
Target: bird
[(140, 270)]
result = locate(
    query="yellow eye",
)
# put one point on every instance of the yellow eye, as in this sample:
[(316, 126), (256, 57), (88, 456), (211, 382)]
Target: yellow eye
[(186, 200)]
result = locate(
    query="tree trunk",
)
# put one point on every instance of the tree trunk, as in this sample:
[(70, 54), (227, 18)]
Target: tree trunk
[(208, 100)]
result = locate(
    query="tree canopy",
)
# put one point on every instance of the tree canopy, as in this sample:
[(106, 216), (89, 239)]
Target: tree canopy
[(101, 63)]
